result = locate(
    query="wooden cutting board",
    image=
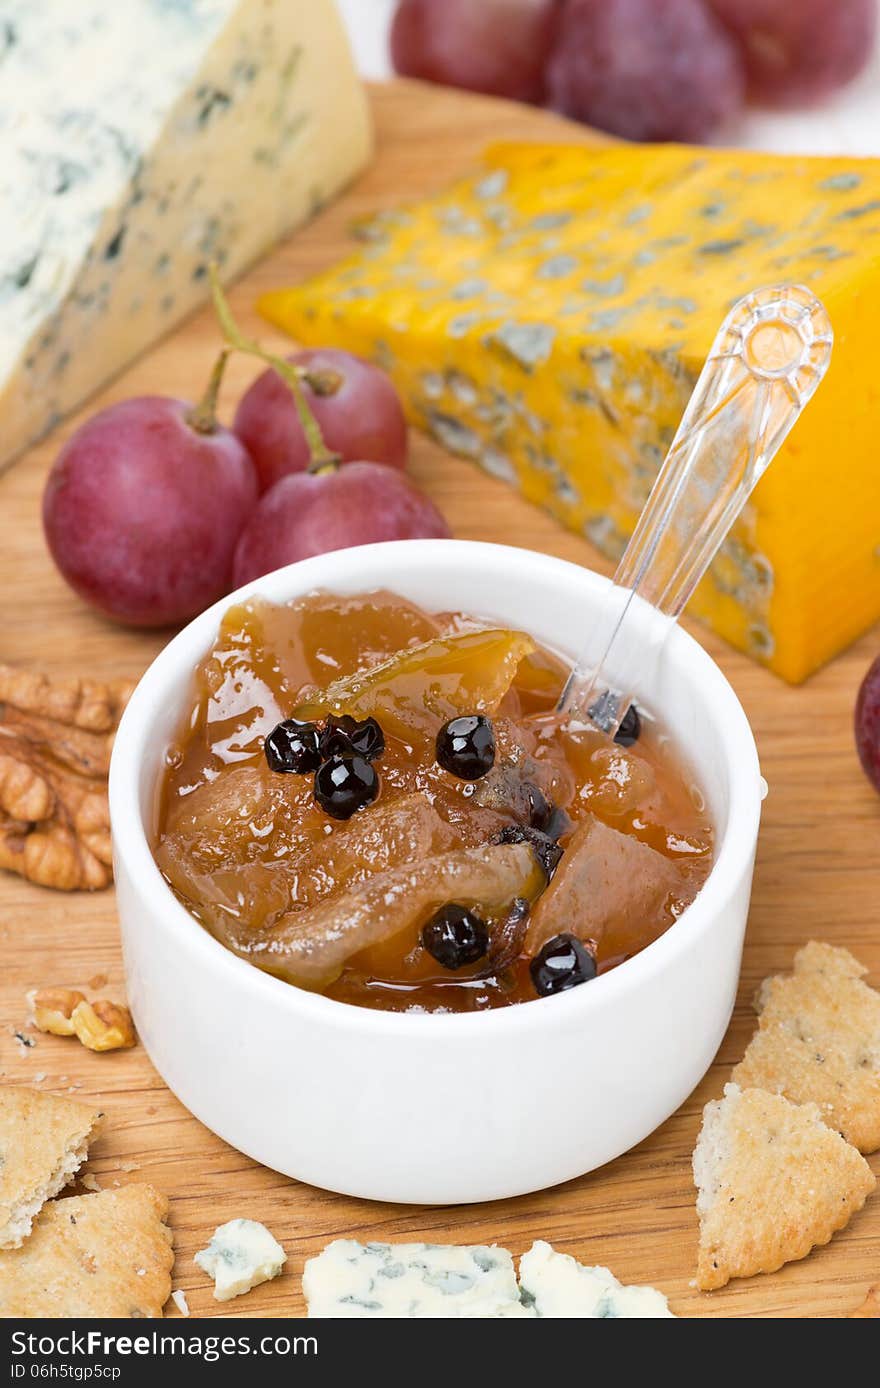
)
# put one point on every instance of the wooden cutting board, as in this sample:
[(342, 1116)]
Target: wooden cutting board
[(818, 871)]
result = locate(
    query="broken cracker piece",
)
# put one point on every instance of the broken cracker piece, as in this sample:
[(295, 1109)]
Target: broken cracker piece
[(44, 1140), (92, 1255), (772, 1183), (100, 1026), (870, 1307), (818, 1041)]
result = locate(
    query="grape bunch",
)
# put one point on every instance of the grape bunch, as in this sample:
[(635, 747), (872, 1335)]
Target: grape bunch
[(643, 69), (153, 510)]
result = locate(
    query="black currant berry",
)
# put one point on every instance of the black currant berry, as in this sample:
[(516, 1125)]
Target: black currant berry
[(343, 735), (368, 739), (630, 728), (345, 784), (542, 814), (546, 850), (455, 936), (630, 724), (562, 963), (466, 747), (335, 741), (293, 747)]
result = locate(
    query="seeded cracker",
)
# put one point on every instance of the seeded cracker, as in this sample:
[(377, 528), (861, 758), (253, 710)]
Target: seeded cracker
[(44, 1140), (92, 1255), (818, 1041), (772, 1182)]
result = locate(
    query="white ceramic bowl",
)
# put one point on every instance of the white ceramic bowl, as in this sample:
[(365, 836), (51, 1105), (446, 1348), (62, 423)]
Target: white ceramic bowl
[(438, 1109)]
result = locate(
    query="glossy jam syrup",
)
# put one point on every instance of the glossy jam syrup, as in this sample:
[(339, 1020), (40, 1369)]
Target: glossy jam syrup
[(339, 906)]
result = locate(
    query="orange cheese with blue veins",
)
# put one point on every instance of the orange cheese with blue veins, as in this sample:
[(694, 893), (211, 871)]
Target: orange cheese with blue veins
[(548, 318)]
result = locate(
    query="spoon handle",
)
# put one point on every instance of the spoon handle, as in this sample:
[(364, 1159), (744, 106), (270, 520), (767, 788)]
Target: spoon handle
[(769, 357)]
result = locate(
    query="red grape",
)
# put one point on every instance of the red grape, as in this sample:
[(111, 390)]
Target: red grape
[(868, 724), (363, 418), (142, 512), (644, 70), (312, 513), (493, 46), (798, 51)]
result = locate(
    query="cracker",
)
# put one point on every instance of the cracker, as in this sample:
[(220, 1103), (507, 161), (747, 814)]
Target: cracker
[(818, 1041), (870, 1307), (92, 1255), (44, 1140), (772, 1182)]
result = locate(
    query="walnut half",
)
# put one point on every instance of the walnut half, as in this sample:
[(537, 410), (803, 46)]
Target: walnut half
[(56, 737), (100, 1026)]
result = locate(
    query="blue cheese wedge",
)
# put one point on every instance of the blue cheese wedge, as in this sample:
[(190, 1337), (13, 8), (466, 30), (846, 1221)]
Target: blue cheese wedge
[(140, 140), (350, 1280), (241, 1255), (555, 1285)]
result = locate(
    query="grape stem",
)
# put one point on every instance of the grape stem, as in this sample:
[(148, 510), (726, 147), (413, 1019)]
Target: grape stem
[(322, 459), (203, 416)]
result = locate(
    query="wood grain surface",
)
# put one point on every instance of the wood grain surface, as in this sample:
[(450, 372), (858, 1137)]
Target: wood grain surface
[(818, 871)]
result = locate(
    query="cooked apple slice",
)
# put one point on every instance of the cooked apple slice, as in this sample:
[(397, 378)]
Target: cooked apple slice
[(243, 688), (311, 947), (614, 893), (265, 653), (248, 894), (420, 688)]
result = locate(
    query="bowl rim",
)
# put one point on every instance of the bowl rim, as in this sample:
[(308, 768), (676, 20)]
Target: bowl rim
[(734, 850)]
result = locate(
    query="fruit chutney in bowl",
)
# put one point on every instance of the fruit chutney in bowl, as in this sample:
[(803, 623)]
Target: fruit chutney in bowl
[(380, 803), (390, 924)]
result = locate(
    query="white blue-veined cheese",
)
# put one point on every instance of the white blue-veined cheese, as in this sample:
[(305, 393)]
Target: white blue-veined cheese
[(412, 1280), (140, 140), (241, 1255), (557, 1286)]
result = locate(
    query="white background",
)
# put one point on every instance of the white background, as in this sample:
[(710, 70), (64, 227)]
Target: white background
[(849, 124)]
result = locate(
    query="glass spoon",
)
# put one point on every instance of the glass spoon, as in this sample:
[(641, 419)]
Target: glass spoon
[(769, 357)]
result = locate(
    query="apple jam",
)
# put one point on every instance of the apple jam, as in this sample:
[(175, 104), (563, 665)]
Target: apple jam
[(380, 804)]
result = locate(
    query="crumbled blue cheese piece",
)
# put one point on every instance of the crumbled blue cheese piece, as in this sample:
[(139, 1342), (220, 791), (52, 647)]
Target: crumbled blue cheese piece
[(412, 1280), (140, 140), (555, 1285), (241, 1255)]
